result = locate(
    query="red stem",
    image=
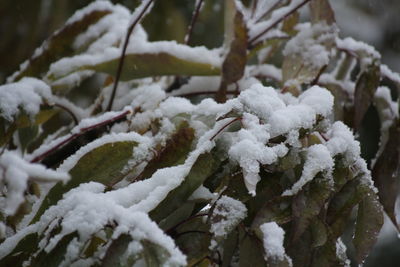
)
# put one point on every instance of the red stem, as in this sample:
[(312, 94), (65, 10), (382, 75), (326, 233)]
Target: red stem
[(226, 125), (76, 135)]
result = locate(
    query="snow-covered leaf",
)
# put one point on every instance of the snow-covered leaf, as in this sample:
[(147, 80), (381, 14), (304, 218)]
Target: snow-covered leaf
[(141, 65), (100, 161), (204, 166), (60, 44)]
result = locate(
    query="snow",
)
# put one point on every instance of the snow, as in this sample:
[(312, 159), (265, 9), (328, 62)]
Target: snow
[(357, 46), (15, 173), (27, 94), (310, 44), (318, 160), (227, 214), (273, 241)]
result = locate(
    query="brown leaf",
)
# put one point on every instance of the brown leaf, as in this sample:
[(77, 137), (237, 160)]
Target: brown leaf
[(321, 10), (368, 225), (366, 86), (386, 172), (235, 61)]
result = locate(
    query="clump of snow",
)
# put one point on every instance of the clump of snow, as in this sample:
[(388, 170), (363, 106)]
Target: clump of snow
[(14, 175), (273, 242), (341, 252), (27, 95), (227, 214), (357, 47), (311, 44), (318, 160)]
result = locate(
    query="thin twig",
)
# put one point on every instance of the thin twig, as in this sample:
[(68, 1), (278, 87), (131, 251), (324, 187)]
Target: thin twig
[(268, 10), (251, 41), (193, 21), (76, 135), (226, 125), (122, 58)]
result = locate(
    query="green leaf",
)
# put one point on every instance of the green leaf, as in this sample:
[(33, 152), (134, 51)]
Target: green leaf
[(321, 10), (386, 172), (27, 135), (22, 251), (308, 203), (147, 65), (366, 86), (319, 232), (204, 166), (104, 164), (54, 257), (60, 44), (327, 256), (368, 225), (229, 247), (251, 252), (115, 252)]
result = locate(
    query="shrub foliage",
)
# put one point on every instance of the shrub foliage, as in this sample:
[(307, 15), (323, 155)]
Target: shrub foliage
[(238, 155)]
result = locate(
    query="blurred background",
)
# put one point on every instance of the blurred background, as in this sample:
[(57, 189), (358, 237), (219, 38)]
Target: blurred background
[(25, 24)]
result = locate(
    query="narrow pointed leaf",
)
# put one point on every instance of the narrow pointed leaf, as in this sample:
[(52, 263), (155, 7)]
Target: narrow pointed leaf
[(386, 172), (366, 86), (308, 204), (60, 44), (368, 225), (147, 65)]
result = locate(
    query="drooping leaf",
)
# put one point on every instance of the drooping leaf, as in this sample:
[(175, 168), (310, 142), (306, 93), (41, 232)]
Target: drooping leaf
[(366, 86), (368, 225), (308, 203), (60, 44), (115, 251), (103, 164), (342, 204), (319, 232), (229, 247), (386, 172), (147, 65), (251, 252), (54, 257), (277, 210), (204, 166)]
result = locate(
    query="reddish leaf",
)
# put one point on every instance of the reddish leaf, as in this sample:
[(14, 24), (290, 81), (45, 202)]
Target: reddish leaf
[(386, 172)]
